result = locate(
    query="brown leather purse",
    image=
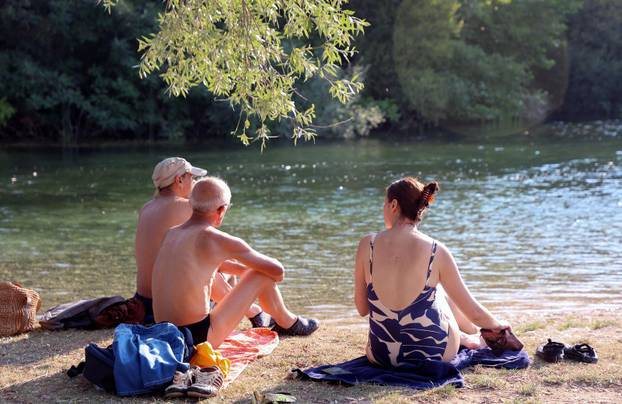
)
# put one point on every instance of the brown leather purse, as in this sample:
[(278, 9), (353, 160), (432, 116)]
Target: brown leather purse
[(500, 341)]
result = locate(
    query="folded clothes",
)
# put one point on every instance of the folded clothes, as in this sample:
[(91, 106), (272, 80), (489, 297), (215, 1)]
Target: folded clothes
[(102, 312), (78, 314), (424, 375), (146, 358)]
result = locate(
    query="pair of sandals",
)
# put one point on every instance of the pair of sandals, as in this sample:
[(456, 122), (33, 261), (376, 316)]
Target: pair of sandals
[(554, 352)]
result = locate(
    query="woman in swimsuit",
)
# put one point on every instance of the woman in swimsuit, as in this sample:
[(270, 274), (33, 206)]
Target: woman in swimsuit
[(409, 284)]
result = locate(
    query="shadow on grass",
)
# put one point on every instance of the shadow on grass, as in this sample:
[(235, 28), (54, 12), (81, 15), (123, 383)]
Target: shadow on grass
[(40, 344), (58, 387), (53, 388), (319, 392)]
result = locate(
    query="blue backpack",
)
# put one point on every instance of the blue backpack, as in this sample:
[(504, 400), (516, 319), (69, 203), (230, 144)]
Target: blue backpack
[(97, 367), (98, 364)]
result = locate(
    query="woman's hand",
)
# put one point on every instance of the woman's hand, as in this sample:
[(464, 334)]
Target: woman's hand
[(502, 325)]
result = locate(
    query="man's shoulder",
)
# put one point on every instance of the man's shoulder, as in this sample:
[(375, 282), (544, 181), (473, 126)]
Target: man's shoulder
[(214, 233), (224, 239), (164, 206), (178, 200), (147, 204)]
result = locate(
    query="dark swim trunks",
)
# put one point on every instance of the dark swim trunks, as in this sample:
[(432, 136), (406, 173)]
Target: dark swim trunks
[(199, 330), (148, 303)]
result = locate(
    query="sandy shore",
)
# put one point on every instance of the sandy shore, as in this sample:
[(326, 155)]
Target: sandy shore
[(32, 367)]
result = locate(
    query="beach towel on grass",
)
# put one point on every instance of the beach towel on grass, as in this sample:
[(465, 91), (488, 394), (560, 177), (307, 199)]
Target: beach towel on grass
[(428, 374), (244, 347)]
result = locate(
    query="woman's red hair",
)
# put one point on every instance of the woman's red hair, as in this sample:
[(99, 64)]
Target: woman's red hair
[(412, 196)]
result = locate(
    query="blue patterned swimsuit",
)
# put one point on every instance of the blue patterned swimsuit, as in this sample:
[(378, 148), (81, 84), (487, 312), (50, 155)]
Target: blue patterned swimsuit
[(417, 332)]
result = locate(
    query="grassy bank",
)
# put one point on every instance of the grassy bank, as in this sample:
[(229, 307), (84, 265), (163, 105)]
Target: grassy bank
[(32, 368)]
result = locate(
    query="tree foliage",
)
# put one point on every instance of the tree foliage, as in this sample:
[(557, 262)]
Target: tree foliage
[(67, 70), (253, 53), (595, 58), (473, 61)]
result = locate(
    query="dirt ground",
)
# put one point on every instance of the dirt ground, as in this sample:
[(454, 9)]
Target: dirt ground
[(33, 366)]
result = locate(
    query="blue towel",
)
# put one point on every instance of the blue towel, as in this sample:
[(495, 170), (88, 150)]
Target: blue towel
[(427, 374), (485, 357), (146, 358)]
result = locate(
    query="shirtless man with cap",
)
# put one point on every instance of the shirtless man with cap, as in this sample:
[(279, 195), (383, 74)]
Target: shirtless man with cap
[(173, 180), (188, 262)]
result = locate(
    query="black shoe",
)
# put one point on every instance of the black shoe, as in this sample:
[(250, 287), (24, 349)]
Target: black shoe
[(551, 352), (301, 327), (262, 319), (581, 353)]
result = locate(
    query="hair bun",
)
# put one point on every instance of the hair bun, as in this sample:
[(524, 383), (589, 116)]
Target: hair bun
[(429, 193)]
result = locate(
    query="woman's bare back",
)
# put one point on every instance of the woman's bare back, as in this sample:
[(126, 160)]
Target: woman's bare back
[(401, 258)]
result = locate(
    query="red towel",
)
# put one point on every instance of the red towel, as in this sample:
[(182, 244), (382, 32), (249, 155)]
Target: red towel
[(243, 347)]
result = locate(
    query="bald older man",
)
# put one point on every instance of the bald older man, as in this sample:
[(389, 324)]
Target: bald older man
[(170, 206), (189, 259)]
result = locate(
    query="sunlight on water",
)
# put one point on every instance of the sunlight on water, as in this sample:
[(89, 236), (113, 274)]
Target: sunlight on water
[(532, 225)]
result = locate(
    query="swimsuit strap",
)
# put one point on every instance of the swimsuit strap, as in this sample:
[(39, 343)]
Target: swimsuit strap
[(371, 255), (427, 277)]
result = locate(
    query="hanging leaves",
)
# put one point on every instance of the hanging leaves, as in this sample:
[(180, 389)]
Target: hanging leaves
[(252, 53)]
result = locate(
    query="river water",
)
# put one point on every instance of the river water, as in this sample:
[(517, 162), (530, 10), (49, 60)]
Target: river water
[(534, 224)]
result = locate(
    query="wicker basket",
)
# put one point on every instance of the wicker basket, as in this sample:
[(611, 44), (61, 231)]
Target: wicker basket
[(18, 308)]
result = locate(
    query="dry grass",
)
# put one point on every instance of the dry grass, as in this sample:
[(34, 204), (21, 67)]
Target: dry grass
[(32, 369), (530, 326)]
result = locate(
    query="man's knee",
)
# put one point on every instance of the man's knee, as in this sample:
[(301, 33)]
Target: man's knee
[(258, 277)]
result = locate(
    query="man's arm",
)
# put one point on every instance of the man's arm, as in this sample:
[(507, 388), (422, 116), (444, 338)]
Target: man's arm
[(237, 249), (233, 267)]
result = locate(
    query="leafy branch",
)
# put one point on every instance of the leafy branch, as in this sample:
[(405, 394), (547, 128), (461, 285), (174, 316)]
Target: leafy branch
[(252, 53)]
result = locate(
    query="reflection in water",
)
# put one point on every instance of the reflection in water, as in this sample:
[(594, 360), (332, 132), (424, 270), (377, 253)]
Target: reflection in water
[(533, 226)]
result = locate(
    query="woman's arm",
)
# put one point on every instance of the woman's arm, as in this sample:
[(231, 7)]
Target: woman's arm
[(450, 278), (360, 284)]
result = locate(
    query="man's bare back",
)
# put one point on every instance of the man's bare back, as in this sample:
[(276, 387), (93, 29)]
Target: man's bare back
[(189, 258), (172, 178), (155, 218)]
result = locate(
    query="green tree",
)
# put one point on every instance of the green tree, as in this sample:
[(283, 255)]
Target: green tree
[(68, 72), (253, 53), (6, 111), (595, 57), (473, 61), (376, 48)]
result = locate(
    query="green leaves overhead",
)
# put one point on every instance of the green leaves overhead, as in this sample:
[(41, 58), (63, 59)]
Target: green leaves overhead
[(252, 53)]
